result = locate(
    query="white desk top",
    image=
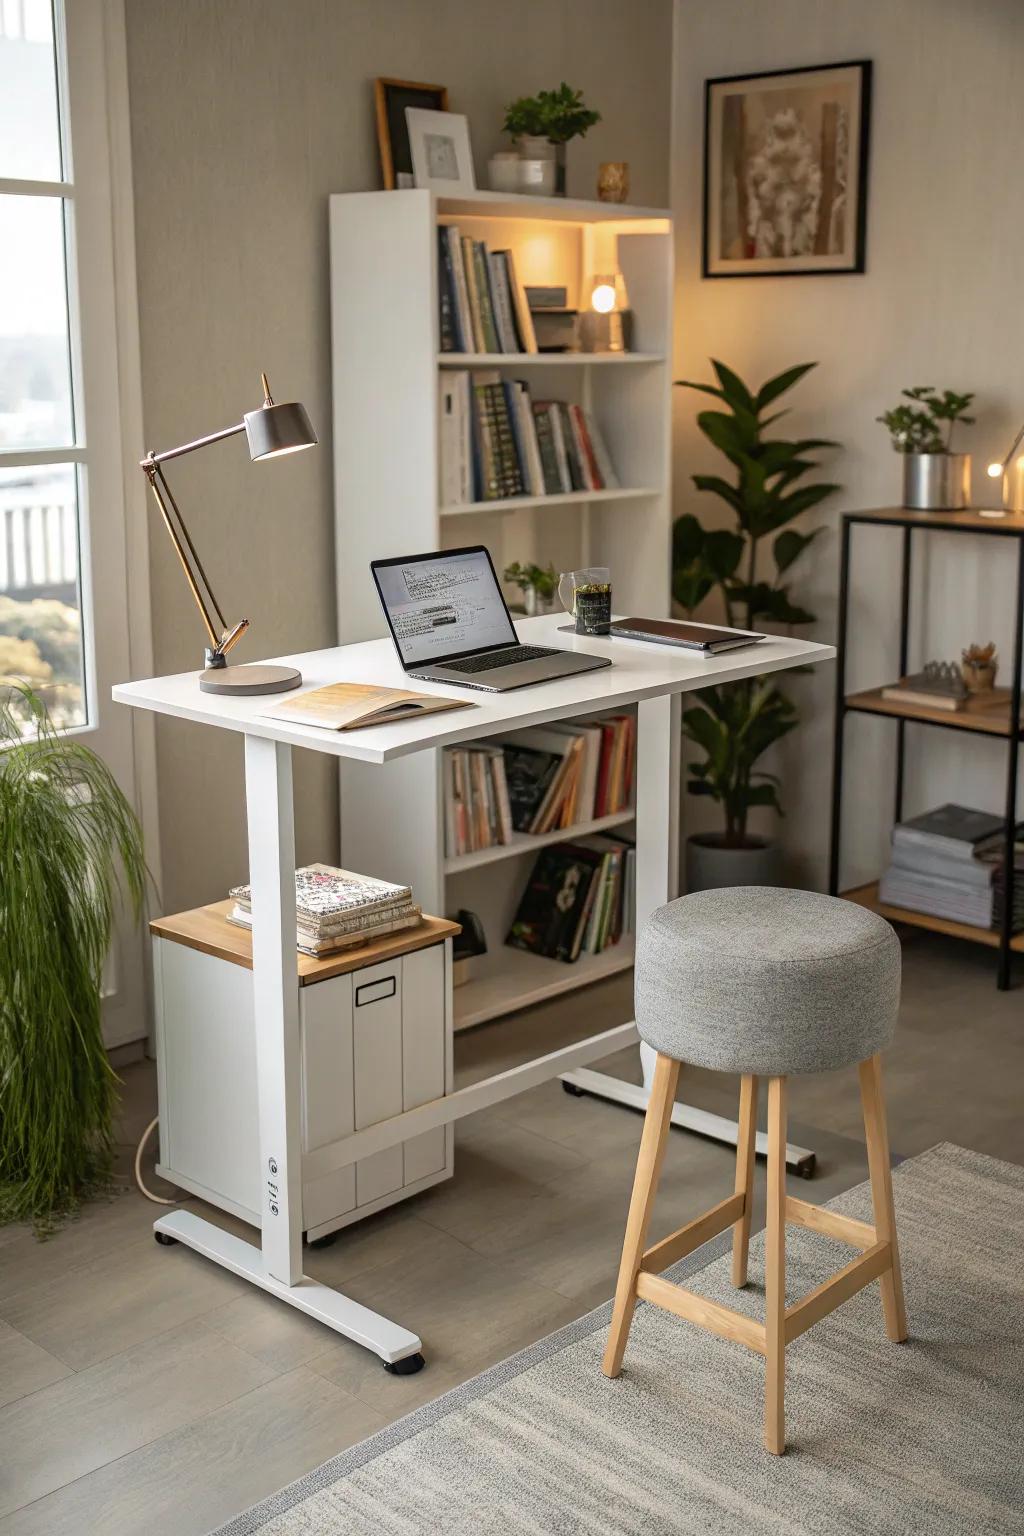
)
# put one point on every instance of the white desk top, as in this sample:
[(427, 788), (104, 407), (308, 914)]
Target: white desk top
[(639, 671)]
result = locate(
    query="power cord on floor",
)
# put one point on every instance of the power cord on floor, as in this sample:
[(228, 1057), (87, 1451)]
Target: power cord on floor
[(147, 1133)]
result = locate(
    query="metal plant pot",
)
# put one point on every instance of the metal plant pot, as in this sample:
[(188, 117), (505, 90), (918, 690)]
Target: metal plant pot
[(711, 864), (936, 482)]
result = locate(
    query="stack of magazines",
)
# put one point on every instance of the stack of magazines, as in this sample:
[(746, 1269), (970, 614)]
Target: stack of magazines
[(949, 863), (336, 909)]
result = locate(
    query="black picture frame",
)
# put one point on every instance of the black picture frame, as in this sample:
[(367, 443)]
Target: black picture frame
[(391, 97), (851, 259)]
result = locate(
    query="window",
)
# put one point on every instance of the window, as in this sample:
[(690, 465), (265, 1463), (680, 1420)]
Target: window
[(42, 461)]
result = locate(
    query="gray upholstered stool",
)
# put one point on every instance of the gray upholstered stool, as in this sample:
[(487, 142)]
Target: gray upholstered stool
[(764, 983)]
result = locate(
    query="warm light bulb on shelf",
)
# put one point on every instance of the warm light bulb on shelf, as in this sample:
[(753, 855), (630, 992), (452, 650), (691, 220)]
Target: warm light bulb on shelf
[(603, 298), (995, 469)]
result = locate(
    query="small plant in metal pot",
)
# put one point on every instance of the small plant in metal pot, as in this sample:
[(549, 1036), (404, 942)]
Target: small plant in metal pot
[(537, 583), (935, 479), (735, 723)]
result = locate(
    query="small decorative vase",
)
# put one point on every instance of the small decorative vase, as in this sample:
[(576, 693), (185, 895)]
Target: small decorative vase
[(712, 865), (936, 482), (613, 181), (503, 171), (535, 603), (979, 676)]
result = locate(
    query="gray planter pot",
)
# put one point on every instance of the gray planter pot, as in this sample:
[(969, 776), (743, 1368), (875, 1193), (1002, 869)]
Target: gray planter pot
[(937, 482), (710, 865)]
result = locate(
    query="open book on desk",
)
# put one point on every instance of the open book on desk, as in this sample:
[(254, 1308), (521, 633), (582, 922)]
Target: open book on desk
[(350, 706)]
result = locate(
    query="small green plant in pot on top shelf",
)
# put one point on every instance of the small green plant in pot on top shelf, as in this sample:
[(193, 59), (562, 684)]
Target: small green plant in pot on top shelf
[(935, 479), (69, 843), (542, 125), (735, 724)]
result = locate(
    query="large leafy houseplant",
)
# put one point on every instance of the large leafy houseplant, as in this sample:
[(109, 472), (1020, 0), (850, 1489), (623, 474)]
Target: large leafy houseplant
[(69, 841), (736, 723)]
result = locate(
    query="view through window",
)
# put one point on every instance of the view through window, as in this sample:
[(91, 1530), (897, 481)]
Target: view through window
[(41, 470)]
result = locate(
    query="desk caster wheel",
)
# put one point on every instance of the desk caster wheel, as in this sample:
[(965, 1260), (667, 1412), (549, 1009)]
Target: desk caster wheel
[(315, 1243), (808, 1167), (577, 1093), (407, 1367), (165, 1239)]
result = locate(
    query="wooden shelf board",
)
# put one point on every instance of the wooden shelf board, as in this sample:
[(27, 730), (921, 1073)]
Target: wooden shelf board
[(529, 842), (559, 499), (867, 896), (992, 721), (208, 930), (546, 359), (510, 979), (483, 204), (972, 519)]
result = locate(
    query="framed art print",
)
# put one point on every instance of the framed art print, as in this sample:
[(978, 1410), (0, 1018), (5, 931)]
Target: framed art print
[(391, 97), (785, 172), (441, 157)]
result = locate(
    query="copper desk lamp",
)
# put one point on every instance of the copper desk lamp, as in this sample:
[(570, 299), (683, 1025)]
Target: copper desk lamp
[(271, 430)]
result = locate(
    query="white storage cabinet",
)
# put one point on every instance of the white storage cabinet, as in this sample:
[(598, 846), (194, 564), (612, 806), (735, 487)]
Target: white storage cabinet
[(375, 1041)]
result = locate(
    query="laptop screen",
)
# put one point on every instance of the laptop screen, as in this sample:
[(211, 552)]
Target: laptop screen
[(443, 605)]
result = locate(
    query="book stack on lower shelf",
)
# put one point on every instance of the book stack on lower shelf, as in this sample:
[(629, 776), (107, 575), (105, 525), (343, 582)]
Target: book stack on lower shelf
[(336, 909), (948, 863), (536, 781), (579, 899), (497, 442)]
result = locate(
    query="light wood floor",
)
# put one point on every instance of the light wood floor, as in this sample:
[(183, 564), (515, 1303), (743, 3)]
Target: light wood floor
[(144, 1392)]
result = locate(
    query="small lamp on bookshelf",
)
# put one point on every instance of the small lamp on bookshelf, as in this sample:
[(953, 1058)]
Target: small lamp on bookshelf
[(1011, 472), (606, 324)]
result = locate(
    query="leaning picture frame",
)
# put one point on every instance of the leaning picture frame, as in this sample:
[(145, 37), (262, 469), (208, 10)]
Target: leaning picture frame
[(441, 156), (391, 97), (785, 172)]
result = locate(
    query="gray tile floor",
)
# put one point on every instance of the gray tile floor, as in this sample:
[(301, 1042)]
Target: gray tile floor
[(144, 1390)]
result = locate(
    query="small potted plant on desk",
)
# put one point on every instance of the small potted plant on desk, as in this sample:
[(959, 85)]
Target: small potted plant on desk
[(735, 724), (935, 479), (537, 583), (541, 127)]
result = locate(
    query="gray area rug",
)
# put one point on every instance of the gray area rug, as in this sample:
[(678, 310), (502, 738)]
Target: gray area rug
[(924, 1438)]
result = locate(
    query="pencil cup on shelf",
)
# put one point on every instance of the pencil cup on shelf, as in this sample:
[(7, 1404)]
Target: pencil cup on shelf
[(587, 595)]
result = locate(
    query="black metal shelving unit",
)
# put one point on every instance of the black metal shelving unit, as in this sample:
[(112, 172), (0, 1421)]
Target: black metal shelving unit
[(1007, 526)]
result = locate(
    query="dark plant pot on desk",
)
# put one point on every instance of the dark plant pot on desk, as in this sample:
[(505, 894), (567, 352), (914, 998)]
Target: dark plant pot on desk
[(712, 862)]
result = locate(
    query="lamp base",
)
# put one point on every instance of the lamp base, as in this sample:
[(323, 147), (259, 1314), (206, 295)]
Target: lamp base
[(249, 680)]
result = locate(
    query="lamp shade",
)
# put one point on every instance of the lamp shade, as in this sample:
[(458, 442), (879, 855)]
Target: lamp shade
[(274, 429)]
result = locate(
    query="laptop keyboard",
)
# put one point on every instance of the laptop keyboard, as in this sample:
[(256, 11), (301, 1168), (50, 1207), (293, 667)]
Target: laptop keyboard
[(509, 658)]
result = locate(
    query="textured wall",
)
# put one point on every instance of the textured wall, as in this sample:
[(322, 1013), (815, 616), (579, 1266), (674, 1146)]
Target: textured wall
[(246, 114), (940, 304)]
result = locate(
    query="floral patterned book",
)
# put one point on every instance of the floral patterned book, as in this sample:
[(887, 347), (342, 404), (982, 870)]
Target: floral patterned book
[(323, 893)]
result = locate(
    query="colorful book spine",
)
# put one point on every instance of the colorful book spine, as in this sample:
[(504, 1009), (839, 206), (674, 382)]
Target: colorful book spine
[(488, 330)]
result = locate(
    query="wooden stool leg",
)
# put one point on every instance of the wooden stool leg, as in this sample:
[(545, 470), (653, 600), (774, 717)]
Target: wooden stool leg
[(645, 1186), (775, 1272), (745, 1147), (877, 1135)]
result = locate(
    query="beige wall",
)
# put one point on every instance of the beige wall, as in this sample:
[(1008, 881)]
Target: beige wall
[(941, 303), (246, 114)]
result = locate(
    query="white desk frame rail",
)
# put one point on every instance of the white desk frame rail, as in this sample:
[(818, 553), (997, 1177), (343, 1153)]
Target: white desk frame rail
[(653, 677)]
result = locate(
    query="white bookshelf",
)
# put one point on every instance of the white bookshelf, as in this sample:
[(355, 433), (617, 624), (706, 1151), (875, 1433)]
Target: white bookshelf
[(386, 362)]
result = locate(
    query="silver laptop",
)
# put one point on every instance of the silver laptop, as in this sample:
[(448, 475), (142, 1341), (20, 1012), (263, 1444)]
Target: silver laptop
[(451, 624)]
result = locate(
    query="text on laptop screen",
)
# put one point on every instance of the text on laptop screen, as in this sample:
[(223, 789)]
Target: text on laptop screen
[(444, 606)]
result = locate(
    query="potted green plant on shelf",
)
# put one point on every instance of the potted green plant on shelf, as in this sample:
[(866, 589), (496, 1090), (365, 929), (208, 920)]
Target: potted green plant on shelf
[(69, 841), (935, 479), (734, 724), (542, 126), (537, 583)]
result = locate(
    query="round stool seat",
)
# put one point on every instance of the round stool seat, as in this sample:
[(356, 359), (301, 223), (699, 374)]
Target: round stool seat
[(752, 979)]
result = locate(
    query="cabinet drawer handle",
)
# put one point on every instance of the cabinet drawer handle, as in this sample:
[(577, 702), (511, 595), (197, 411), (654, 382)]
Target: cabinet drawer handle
[(376, 991)]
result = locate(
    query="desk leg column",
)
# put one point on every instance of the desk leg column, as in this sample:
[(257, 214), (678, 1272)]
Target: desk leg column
[(268, 794)]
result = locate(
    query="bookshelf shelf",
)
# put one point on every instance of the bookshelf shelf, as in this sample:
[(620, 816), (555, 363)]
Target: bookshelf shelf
[(529, 842), (547, 359), (509, 979), (563, 499), (387, 373), (992, 721), (867, 896)]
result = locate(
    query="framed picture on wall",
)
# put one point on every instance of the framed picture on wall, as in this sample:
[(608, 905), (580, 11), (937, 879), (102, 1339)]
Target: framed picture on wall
[(441, 156), (391, 97), (785, 171)]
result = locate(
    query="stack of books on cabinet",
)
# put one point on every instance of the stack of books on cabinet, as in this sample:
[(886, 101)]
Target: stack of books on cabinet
[(948, 863), (336, 909)]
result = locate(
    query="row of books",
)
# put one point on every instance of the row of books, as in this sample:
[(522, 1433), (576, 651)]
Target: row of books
[(537, 780), (497, 442), (950, 863), (337, 909), (483, 304), (579, 899)]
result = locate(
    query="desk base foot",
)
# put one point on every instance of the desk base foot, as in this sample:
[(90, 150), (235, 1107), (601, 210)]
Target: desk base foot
[(600, 1085), (394, 1344)]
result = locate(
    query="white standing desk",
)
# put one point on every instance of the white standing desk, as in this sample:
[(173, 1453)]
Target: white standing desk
[(653, 678)]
